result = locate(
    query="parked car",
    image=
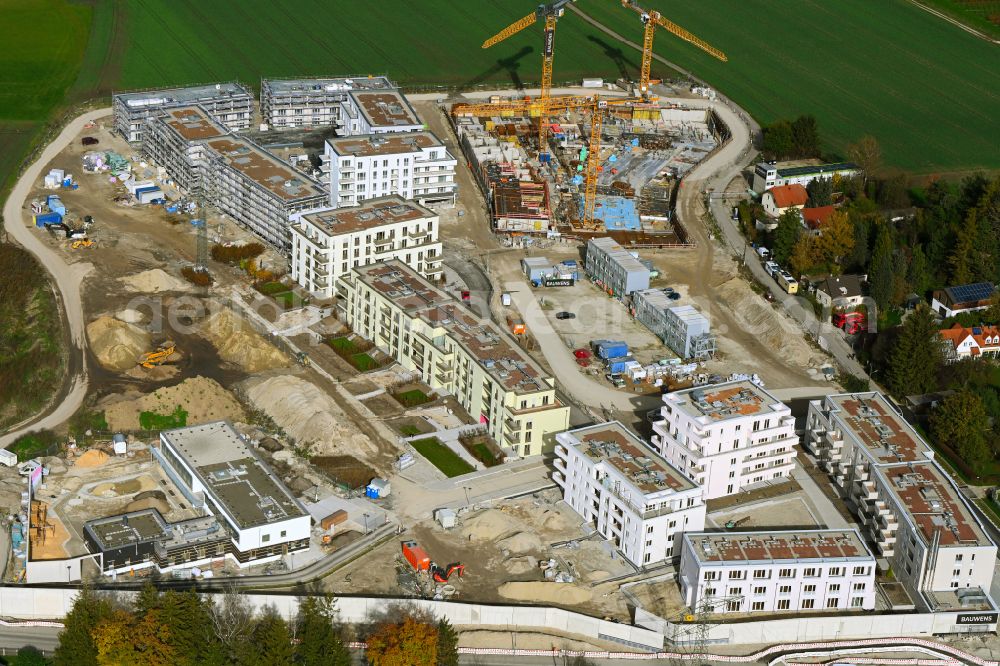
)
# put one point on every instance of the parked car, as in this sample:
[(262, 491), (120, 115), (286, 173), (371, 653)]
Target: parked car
[(771, 267), (582, 353), (565, 315), (89, 141), (674, 296)]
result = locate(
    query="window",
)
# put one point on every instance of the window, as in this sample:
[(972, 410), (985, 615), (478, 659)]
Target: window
[(808, 589), (647, 557), (760, 589), (711, 575), (859, 587), (734, 606), (834, 588), (735, 591), (808, 603), (732, 475), (956, 573), (757, 606), (737, 575), (784, 604), (284, 533), (836, 571), (709, 591), (761, 573), (857, 602), (649, 529), (810, 572), (860, 571), (954, 584), (833, 603), (958, 558), (785, 589), (786, 573), (265, 538)]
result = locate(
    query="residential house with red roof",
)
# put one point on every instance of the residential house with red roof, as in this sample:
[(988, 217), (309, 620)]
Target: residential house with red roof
[(975, 342), (779, 199)]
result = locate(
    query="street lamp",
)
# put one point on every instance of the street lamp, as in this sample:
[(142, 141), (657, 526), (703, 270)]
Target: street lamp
[(467, 500), (366, 523)]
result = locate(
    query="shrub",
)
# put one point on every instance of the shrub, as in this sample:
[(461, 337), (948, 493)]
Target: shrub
[(411, 398), (197, 278), (234, 254), (154, 421)]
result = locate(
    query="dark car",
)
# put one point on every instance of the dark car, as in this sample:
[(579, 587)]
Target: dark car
[(565, 315), (674, 296), (89, 141)]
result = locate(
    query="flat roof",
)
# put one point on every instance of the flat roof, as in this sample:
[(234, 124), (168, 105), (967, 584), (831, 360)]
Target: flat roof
[(192, 123), (260, 166), (768, 547), (385, 108), (503, 360), (874, 425), (618, 254), (330, 84), (371, 213), (787, 172), (126, 529), (934, 504), (729, 400), (188, 95), (366, 145), (613, 444), (240, 483)]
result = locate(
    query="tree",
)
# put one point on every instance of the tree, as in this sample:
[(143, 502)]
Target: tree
[(778, 141), (269, 642), (319, 641), (805, 254), (891, 193), (786, 235), (867, 154), (233, 621), (447, 644), (30, 656), (76, 644), (919, 273), (820, 192), (408, 643), (836, 240), (962, 259), (805, 137), (880, 276), (190, 629), (123, 639), (960, 423), (916, 357)]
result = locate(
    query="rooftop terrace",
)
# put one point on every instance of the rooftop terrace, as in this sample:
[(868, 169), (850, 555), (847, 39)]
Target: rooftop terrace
[(730, 400), (777, 546), (612, 444), (386, 108), (371, 213), (190, 95), (383, 144), (873, 424), (193, 124)]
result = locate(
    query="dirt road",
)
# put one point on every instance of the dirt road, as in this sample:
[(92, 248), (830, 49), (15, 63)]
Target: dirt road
[(67, 279)]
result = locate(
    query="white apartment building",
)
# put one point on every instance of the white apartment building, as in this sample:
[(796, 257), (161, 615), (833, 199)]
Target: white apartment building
[(455, 352), (905, 503), (629, 494), (241, 179), (217, 472), (355, 105), (327, 243), (727, 437), (414, 166), (774, 174), (784, 571), (613, 268), (229, 104)]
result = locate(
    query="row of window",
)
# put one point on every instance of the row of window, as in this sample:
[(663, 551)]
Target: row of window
[(807, 572)]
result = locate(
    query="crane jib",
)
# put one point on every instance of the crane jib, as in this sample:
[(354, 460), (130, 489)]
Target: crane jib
[(549, 42)]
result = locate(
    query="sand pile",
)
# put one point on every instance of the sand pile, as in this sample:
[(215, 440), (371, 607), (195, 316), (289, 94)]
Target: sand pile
[(564, 594), (757, 317), (310, 416), (92, 458), (488, 525), (202, 398), (116, 344), (154, 281), (521, 565), (238, 343), (521, 542)]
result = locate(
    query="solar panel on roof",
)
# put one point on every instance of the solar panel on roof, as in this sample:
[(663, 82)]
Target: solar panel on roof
[(966, 293)]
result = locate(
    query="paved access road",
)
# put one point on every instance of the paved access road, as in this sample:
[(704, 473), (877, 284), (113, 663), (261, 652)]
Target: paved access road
[(67, 278)]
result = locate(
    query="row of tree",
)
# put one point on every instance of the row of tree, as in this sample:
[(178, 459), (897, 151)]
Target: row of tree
[(183, 628), (795, 139)]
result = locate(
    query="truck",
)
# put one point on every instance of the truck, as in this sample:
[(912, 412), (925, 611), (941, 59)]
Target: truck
[(850, 322), (771, 268), (611, 348), (45, 219)]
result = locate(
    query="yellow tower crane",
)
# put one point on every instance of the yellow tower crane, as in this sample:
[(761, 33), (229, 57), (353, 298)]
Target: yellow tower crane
[(652, 19), (550, 13)]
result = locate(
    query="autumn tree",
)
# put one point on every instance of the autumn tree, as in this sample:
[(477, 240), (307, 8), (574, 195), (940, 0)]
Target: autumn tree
[(786, 235), (447, 644), (123, 639), (76, 644), (836, 240), (805, 254), (320, 643), (867, 154), (916, 356), (820, 192), (960, 423), (407, 643)]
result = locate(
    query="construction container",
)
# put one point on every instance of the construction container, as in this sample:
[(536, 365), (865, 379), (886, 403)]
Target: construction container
[(416, 556), (616, 366), (55, 204), (608, 349), (593, 83), (120, 444), (45, 219), (446, 517), (377, 489), (8, 458), (505, 299), (336, 518)]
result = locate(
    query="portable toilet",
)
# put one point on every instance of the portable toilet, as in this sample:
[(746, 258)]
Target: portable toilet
[(120, 445), (377, 489)]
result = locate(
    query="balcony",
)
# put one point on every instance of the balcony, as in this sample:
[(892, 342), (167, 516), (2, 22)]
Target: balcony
[(512, 438), (559, 479), (417, 234), (560, 465)]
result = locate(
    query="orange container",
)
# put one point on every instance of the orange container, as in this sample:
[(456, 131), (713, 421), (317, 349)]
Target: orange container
[(416, 556)]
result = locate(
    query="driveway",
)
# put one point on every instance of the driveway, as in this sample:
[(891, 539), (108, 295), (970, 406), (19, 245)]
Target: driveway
[(67, 279)]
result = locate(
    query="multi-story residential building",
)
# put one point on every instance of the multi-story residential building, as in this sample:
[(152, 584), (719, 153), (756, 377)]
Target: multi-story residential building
[(905, 503), (229, 104), (455, 352), (415, 165), (327, 243), (728, 437), (627, 492), (774, 174), (613, 268), (960, 342), (247, 515), (681, 327), (786, 571), (235, 175), (358, 105)]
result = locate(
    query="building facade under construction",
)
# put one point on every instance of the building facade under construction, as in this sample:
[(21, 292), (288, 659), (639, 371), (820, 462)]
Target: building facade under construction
[(229, 104), (681, 327)]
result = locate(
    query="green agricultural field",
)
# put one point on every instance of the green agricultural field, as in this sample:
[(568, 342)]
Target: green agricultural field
[(929, 91), (981, 15)]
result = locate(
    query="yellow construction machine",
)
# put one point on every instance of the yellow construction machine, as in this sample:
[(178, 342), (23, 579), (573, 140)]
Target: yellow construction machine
[(157, 357), (82, 242)]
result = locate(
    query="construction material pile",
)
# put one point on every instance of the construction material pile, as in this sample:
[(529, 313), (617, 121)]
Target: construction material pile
[(239, 344), (203, 399), (91, 458), (310, 416), (155, 281), (117, 344), (563, 594)]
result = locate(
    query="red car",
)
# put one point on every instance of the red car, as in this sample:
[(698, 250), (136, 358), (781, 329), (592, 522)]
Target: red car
[(582, 353)]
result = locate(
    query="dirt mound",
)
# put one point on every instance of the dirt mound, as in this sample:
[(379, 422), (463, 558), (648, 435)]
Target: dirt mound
[(521, 542), (564, 594), (309, 415), (151, 494), (238, 343), (154, 281), (488, 525), (148, 503), (521, 565), (117, 344), (202, 398), (92, 458)]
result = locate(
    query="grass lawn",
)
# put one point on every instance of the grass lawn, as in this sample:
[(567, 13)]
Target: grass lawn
[(33, 444), (442, 457), (342, 344), (272, 288), (364, 362), (860, 67), (483, 454), (411, 398)]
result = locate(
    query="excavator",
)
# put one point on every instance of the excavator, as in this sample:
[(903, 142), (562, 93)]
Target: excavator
[(81, 243), (442, 574), (158, 357)]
